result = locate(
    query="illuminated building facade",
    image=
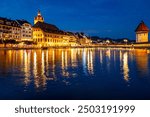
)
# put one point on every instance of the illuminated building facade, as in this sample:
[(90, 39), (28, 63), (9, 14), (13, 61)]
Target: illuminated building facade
[(45, 34), (26, 30), (38, 18), (142, 33), (83, 39), (9, 29)]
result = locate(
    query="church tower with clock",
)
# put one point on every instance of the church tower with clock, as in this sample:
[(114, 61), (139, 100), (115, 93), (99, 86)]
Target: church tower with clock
[(38, 18)]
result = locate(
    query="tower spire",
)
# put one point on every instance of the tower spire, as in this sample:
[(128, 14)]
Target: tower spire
[(38, 18), (39, 13)]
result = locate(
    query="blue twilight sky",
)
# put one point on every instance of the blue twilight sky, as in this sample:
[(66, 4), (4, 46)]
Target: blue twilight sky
[(105, 18)]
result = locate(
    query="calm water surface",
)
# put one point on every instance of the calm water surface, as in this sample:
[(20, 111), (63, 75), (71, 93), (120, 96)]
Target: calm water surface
[(92, 73)]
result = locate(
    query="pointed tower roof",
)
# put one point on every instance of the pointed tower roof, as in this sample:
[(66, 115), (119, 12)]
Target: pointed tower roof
[(39, 13), (142, 27), (38, 18)]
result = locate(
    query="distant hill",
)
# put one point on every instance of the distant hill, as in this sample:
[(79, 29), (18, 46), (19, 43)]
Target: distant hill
[(98, 39)]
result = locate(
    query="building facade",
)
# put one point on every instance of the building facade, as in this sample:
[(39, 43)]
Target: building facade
[(83, 39), (26, 30), (45, 34), (142, 33), (9, 29)]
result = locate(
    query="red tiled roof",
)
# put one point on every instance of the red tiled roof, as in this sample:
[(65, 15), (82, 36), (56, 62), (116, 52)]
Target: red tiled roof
[(142, 27)]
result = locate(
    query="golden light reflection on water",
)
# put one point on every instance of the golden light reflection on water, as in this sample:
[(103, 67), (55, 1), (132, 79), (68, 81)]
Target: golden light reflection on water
[(101, 56), (27, 68), (108, 58), (40, 66), (142, 61), (88, 56), (35, 65), (90, 61), (108, 53), (39, 69), (125, 67)]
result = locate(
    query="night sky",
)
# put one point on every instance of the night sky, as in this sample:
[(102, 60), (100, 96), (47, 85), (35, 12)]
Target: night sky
[(104, 18)]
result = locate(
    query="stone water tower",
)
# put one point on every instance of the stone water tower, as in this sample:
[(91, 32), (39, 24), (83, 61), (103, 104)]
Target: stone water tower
[(142, 33)]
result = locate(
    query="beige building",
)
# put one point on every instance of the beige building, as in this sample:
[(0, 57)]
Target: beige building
[(9, 29), (26, 30), (142, 33), (45, 34)]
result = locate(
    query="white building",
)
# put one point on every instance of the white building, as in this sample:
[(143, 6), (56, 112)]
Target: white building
[(9, 29), (26, 30)]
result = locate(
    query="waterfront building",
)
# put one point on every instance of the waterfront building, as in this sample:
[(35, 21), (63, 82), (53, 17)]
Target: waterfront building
[(26, 30), (83, 39), (9, 29), (142, 33), (45, 34)]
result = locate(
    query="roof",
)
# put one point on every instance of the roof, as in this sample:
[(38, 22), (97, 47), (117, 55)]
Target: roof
[(142, 27), (21, 22), (9, 22), (39, 16), (49, 28), (45, 26)]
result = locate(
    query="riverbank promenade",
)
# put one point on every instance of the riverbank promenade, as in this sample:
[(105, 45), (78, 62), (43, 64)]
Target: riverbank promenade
[(18, 46)]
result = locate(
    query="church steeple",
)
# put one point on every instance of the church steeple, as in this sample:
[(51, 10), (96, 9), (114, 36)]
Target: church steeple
[(38, 18), (39, 13)]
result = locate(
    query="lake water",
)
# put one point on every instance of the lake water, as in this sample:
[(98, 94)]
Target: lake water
[(81, 73)]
